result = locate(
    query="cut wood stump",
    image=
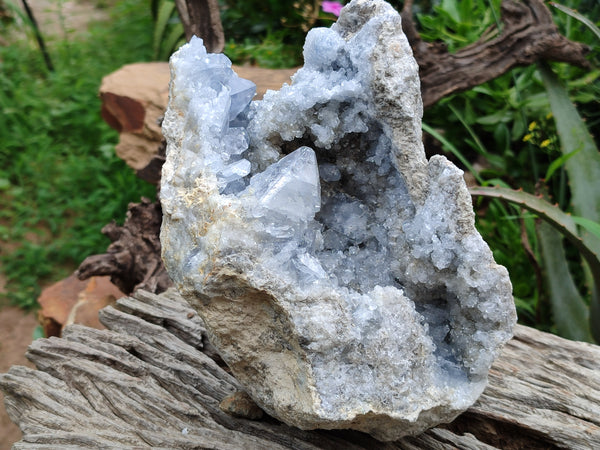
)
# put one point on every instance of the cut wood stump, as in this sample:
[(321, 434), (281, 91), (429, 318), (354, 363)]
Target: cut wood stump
[(151, 379)]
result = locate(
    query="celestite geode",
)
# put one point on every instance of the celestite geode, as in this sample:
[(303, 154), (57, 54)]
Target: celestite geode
[(338, 271)]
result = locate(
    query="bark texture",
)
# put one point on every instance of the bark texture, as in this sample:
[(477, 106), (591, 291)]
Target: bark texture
[(202, 18), (528, 34), (150, 380), (133, 259)]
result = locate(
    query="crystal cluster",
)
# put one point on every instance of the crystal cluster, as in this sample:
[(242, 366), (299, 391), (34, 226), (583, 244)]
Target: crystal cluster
[(338, 271)]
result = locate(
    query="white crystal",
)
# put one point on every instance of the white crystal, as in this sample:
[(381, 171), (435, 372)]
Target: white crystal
[(241, 92), (289, 187), (344, 283), (234, 171)]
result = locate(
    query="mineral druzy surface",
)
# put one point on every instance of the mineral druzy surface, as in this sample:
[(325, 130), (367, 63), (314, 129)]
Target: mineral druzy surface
[(338, 270)]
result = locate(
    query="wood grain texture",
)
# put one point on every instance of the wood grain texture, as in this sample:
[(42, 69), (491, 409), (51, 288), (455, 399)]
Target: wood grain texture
[(150, 380), (133, 258), (527, 34), (202, 18)]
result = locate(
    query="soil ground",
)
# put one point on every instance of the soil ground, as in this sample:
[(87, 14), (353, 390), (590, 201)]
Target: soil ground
[(56, 19), (16, 332)]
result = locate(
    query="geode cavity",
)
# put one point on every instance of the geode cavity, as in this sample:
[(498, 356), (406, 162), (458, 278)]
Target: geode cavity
[(338, 271)]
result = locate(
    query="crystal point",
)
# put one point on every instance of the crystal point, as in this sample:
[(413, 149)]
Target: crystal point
[(290, 186)]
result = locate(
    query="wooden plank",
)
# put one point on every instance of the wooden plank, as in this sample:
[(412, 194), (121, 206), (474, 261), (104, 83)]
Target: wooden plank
[(150, 380)]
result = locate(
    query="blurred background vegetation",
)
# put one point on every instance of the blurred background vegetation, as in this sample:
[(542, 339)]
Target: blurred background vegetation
[(60, 181)]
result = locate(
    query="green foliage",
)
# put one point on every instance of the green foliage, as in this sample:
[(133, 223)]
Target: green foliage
[(521, 130), (59, 176), (257, 18), (271, 52), (578, 16), (583, 169), (571, 311), (168, 31), (571, 314), (269, 33), (458, 23)]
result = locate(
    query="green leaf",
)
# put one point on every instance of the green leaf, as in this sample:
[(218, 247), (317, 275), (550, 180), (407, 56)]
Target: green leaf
[(571, 314), (552, 214), (164, 14), (563, 222), (589, 225), (477, 142), (583, 170), (497, 117), (451, 8), (451, 148), (524, 306), (577, 15), (170, 44), (557, 164), (583, 167)]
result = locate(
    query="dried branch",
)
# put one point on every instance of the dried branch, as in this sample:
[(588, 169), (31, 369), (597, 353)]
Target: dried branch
[(133, 259), (202, 18), (528, 34)]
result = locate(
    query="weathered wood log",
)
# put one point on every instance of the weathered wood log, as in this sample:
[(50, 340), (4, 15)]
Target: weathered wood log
[(150, 380), (528, 34)]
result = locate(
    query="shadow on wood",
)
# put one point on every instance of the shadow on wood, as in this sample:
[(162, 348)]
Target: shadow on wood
[(152, 379)]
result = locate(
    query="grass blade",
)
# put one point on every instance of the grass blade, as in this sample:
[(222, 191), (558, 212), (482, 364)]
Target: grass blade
[(480, 148), (170, 44), (577, 15), (589, 225), (570, 312), (552, 214), (557, 164), (164, 14)]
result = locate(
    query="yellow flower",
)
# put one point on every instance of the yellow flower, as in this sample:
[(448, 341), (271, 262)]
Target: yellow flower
[(545, 143), (549, 116), (532, 125), (527, 137)]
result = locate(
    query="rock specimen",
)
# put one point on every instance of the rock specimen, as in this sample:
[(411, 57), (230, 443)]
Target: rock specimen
[(338, 271)]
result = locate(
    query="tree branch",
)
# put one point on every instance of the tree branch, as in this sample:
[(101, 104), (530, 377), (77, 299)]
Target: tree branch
[(528, 35), (202, 18)]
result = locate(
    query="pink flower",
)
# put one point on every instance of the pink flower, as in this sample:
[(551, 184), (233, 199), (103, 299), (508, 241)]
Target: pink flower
[(332, 7)]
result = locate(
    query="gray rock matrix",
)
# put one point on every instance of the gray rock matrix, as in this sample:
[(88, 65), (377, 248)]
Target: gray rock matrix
[(338, 271)]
